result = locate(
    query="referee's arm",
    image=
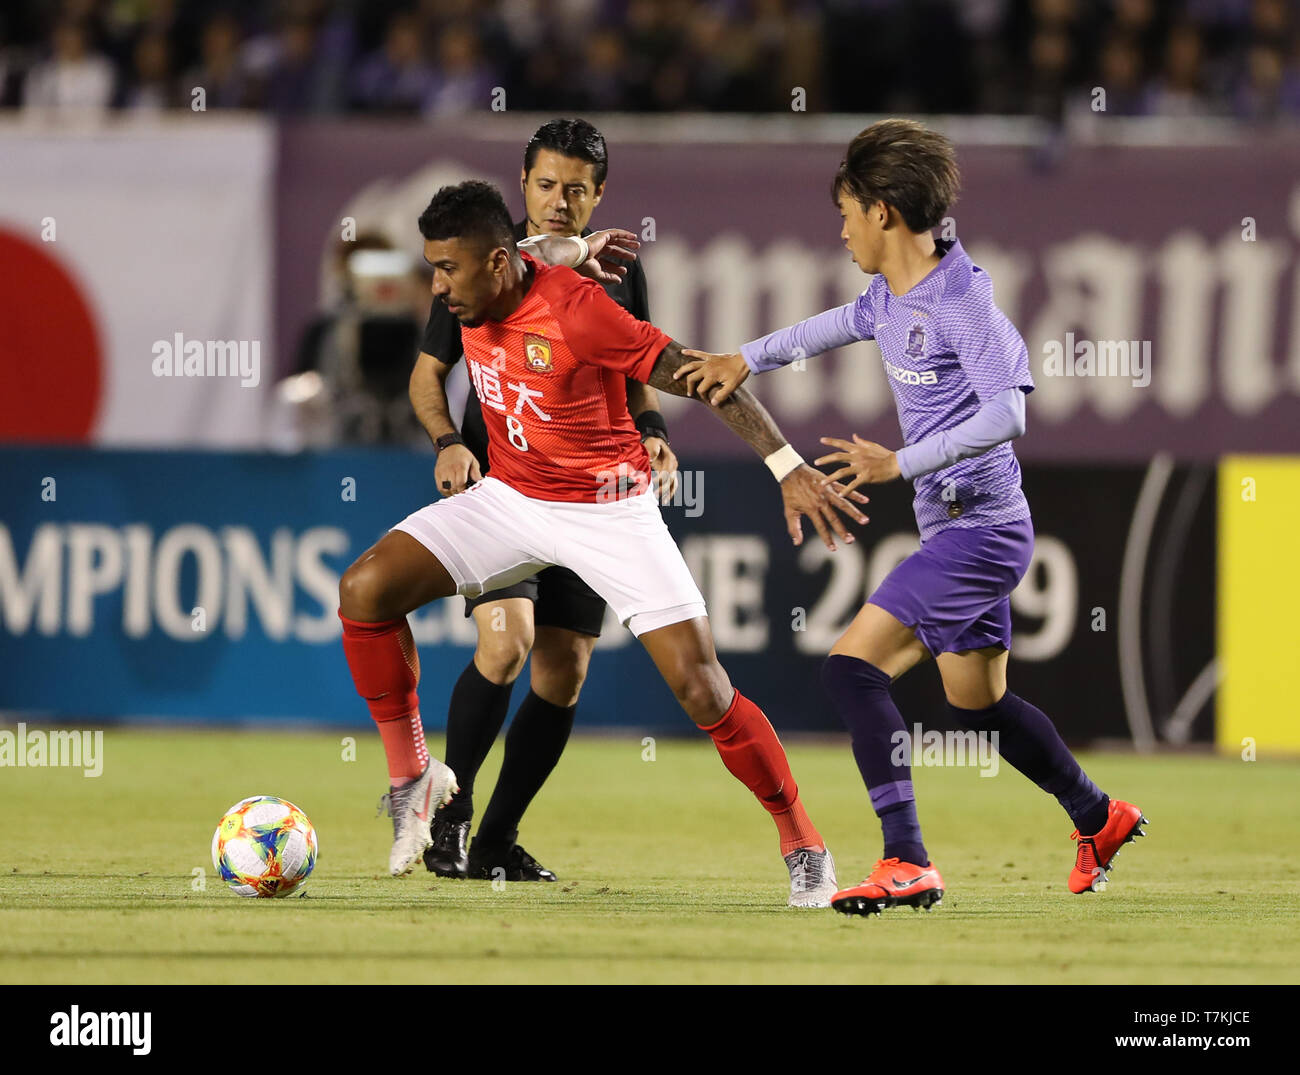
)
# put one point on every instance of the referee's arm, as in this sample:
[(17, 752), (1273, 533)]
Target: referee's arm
[(643, 401), (441, 350), (428, 391), (456, 467), (641, 398)]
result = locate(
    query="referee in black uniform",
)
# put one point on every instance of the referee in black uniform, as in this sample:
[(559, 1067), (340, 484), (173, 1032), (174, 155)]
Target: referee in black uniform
[(554, 613)]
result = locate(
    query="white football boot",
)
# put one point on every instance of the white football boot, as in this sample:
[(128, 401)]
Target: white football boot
[(412, 808), (812, 877)]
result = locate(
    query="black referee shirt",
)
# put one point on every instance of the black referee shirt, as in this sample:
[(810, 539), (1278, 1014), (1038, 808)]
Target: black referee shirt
[(442, 341)]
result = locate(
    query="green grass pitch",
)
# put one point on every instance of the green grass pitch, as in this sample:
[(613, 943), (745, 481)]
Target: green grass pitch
[(669, 872)]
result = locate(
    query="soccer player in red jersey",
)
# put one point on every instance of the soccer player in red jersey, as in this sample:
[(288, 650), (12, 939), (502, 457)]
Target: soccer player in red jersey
[(551, 619), (549, 353)]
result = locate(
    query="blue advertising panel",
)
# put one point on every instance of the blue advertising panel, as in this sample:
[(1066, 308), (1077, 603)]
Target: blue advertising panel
[(203, 587)]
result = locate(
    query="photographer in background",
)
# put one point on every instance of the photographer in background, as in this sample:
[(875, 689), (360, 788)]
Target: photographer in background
[(354, 361)]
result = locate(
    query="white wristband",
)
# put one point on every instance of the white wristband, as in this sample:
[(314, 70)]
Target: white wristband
[(533, 240), (783, 462)]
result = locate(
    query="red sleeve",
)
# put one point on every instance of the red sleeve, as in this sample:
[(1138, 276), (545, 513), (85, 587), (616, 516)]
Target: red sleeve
[(600, 332)]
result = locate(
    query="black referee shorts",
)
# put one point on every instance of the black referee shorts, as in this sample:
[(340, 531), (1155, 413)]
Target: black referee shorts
[(560, 599)]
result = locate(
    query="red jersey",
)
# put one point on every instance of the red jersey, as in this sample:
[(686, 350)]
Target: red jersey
[(552, 379)]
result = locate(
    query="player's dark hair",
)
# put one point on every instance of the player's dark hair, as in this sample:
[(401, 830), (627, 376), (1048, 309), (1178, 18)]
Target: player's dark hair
[(906, 166), (570, 138), (471, 210)]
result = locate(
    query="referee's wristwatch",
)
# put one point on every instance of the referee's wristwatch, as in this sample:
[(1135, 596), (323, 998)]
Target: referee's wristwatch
[(652, 424), (447, 440)]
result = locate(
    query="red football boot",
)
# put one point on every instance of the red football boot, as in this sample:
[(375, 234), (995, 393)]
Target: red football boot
[(1096, 853), (892, 884)]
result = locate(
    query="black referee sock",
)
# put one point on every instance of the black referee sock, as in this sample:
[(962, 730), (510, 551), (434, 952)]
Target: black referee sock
[(534, 743), (474, 717)]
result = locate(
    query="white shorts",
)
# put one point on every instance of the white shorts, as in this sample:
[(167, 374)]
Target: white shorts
[(492, 536)]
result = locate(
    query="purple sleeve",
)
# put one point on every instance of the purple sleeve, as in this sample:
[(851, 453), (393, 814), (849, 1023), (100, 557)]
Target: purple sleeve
[(991, 352), (1001, 418), (824, 332)]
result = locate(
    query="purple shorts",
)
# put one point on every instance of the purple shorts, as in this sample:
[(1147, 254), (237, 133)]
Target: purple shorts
[(955, 591)]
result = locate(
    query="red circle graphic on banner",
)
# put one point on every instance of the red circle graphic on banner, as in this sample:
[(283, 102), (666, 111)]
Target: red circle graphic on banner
[(51, 365)]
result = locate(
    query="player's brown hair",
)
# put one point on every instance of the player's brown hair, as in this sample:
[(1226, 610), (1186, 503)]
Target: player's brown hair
[(906, 166)]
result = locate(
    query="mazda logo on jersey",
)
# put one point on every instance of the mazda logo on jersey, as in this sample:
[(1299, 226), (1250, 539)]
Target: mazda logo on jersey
[(907, 376), (538, 350)]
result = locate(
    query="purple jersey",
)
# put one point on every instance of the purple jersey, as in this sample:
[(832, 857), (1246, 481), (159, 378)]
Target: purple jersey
[(947, 349)]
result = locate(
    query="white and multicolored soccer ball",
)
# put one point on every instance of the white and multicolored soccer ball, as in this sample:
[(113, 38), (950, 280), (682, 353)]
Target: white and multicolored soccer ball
[(264, 846)]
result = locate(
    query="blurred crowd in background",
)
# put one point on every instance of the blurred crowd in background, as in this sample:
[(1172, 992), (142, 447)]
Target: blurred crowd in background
[(1237, 58)]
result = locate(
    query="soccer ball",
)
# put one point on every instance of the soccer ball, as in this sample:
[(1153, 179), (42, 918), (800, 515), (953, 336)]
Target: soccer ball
[(264, 846)]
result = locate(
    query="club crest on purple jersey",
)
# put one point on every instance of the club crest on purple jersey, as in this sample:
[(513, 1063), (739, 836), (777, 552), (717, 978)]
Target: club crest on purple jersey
[(916, 341)]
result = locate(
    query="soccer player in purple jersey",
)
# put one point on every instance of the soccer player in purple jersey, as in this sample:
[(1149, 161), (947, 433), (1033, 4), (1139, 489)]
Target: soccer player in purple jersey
[(959, 372)]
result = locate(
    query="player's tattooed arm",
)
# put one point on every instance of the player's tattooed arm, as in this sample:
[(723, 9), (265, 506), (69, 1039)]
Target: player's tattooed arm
[(456, 467), (747, 417), (802, 488), (713, 377)]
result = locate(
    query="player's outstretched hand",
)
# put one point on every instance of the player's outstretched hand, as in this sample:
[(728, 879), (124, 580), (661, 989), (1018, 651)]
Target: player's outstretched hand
[(712, 377), (456, 468), (864, 461), (806, 492), (610, 250)]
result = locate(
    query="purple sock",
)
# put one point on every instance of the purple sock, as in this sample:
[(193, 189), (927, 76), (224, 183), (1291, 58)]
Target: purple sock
[(860, 693), (1029, 741)]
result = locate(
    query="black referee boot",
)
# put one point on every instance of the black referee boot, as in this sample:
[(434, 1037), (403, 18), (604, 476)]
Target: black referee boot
[(505, 863), (447, 857)]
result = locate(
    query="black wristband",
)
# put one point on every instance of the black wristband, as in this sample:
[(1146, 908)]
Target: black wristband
[(652, 424), (447, 440)]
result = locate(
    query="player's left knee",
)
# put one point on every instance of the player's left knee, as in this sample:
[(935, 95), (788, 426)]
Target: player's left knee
[(363, 593)]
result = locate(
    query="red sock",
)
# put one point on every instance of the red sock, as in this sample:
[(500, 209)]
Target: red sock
[(753, 755), (386, 668)]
